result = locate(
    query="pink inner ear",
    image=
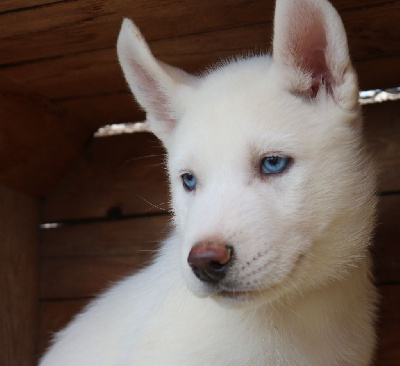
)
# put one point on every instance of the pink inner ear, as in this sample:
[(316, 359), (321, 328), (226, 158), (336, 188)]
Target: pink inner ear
[(306, 44), (151, 95)]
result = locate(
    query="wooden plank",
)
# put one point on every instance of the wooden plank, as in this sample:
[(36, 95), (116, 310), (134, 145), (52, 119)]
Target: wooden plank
[(8, 6), (98, 72), (67, 27), (38, 140), (125, 171), (99, 110), (382, 131), (373, 33), (128, 237), (118, 107), (73, 278), (55, 315), (123, 174), (80, 260), (19, 239), (385, 78), (388, 353), (386, 251)]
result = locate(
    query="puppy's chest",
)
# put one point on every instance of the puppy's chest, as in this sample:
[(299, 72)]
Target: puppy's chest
[(219, 344)]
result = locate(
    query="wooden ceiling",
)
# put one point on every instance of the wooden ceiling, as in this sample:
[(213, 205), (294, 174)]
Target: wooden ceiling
[(60, 58)]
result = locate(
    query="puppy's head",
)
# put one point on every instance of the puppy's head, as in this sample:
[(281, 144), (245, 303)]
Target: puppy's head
[(271, 190)]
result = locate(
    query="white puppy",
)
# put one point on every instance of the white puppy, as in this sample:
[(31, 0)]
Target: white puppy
[(273, 201)]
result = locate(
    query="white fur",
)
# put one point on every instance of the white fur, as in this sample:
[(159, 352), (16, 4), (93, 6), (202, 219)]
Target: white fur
[(299, 291)]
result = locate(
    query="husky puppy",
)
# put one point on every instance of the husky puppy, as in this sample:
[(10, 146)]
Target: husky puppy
[(273, 203)]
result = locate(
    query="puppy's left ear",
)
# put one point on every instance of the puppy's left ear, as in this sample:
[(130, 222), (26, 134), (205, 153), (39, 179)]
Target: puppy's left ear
[(310, 44), (156, 86)]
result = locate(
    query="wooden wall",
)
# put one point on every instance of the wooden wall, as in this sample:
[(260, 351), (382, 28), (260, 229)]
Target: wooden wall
[(113, 209), (19, 278)]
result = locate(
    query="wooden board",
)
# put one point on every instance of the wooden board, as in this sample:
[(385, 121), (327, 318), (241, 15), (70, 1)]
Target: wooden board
[(80, 260), (386, 251), (80, 277), (15, 6), (65, 50), (54, 315), (128, 237), (39, 142), (67, 27), (119, 106), (19, 237), (126, 172), (121, 175), (95, 70), (388, 352), (382, 127)]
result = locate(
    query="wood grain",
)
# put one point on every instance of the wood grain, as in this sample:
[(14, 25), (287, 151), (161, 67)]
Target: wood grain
[(128, 237), (117, 107), (39, 142), (55, 315), (67, 27), (388, 352), (74, 278), (386, 251), (14, 6), (19, 238), (95, 70), (117, 175), (382, 132)]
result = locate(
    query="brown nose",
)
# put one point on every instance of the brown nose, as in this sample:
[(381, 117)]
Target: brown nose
[(209, 260)]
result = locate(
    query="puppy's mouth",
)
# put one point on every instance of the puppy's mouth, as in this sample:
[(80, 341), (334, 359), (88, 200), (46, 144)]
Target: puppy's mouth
[(236, 296), (232, 295)]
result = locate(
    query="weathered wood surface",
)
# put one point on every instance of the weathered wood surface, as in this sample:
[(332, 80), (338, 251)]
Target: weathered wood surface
[(65, 50), (126, 173), (39, 140), (19, 278)]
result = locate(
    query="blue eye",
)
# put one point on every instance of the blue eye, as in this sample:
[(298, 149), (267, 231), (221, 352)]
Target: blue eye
[(274, 164), (189, 181)]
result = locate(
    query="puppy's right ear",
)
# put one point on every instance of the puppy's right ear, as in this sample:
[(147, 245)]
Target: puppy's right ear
[(155, 85)]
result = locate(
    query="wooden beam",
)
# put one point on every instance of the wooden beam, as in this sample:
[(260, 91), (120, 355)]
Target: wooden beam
[(373, 33), (39, 140), (19, 237), (67, 27)]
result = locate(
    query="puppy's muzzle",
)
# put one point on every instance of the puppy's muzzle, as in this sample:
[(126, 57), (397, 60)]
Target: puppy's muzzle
[(209, 260)]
